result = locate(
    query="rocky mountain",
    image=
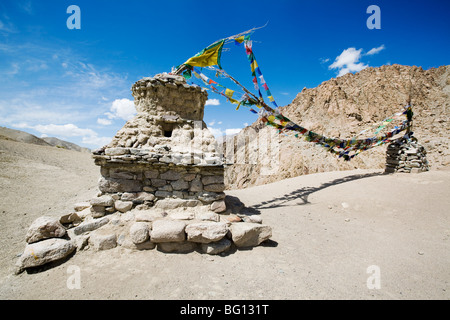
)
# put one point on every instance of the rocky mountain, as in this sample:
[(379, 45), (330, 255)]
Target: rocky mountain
[(342, 107)]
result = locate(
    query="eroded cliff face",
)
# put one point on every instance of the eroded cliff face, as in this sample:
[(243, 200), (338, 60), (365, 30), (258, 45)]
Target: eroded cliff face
[(345, 106)]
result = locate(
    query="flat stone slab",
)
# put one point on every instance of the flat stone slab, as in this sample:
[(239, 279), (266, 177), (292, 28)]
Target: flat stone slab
[(206, 232), (167, 231), (168, 204)]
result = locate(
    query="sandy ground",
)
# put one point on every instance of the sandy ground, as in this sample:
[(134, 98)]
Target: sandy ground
[(329, 230)]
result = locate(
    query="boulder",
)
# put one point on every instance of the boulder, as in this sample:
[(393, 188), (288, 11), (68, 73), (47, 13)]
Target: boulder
[(44, 228), (216, 247), (103, 240), (90, 225), (206, 232), (45, 251), (167, 231), (246, 234), (123, 206), (139, 232)]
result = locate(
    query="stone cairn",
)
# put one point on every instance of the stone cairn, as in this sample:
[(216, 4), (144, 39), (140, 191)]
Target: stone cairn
[(161, 185), (406, 155)]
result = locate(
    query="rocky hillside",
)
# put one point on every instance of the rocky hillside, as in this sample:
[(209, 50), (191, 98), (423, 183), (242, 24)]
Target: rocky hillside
[(64, 144), (344, 106), (21, 136)]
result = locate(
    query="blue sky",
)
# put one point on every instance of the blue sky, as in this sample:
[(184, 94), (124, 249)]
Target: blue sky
[(75, 83)]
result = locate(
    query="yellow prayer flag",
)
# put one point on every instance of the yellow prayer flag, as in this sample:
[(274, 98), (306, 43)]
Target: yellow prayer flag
[(271, 99), (207, 57), (254, 65), (240, 39), (229, 93)]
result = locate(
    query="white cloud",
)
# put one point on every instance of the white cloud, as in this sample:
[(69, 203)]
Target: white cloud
[(348, 61), (64, 130), (104, 122), (122, 109), (96, 141), (212, 102), (230, 132), (217, 132), (375, 50)]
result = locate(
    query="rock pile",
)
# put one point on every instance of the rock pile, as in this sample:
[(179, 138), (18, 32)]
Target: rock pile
[(406, 155), (171, 226)]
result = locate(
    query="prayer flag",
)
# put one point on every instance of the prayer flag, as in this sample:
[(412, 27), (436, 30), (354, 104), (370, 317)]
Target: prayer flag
[(229, 93), (207, 57)]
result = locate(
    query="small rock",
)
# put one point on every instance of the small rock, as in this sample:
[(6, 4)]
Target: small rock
[(218, 206), (177, 247), (207, 215), (232, 218), (139, 232), (44, 228), (123, 206), (253, 218), (345, 205), (69, 218), (103, 240), (98, 211), (216, 247), (87, 226), (81, 206), (103, 201)]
